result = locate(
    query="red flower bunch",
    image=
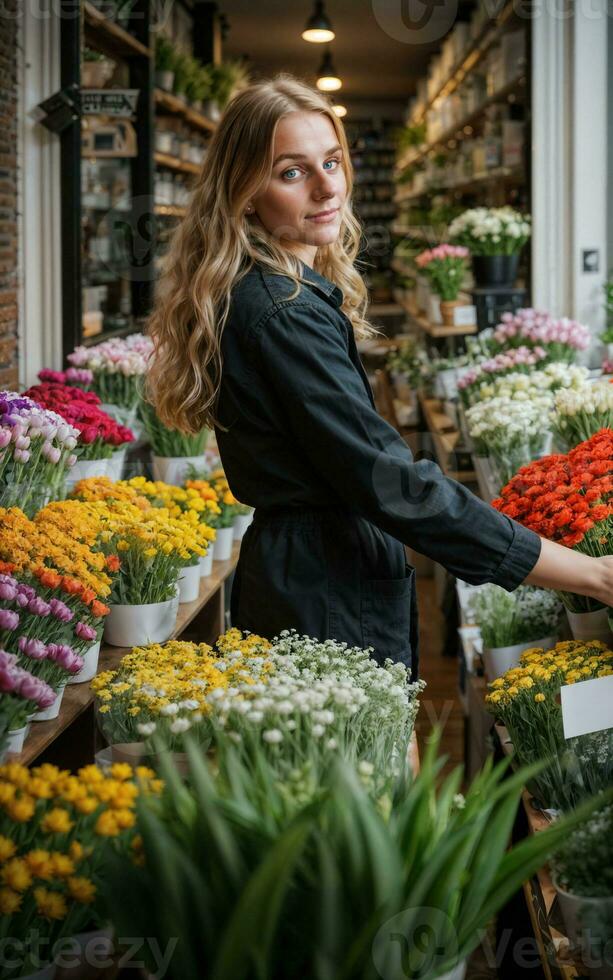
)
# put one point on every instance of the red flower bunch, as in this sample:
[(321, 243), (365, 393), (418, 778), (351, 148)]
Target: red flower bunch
[(566, 498), (99, 433)]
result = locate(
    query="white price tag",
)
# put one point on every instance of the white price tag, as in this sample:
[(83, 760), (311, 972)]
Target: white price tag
[(587, 706)]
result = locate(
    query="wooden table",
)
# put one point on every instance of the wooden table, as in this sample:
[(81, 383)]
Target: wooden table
[(71, 735)]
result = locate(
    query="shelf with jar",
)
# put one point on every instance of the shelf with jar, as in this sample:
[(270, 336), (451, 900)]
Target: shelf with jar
[(106, 27), (463, 53)]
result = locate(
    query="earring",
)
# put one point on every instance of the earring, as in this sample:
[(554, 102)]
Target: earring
[(249, 209)]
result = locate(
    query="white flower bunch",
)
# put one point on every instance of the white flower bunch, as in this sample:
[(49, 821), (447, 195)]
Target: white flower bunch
[(320, 697), (511, 431), (506, 618), (526, 387), (491, 231), (579, 414)]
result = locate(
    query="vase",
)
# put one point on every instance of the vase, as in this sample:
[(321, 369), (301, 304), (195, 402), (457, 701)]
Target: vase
[(138, 625), (48, 714), (95, 74), (590, 625), (497, 660), (15, 739), (576, 911), (447, 311), (495, 270), (434, 312), (84, 469), (241, 523), (206, 563), (174, 469), (165, 79), (189, 583), (90, 665), (223, 543), (211, 109)]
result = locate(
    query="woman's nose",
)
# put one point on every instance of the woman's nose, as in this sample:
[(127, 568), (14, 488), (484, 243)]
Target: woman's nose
[(324, 186)]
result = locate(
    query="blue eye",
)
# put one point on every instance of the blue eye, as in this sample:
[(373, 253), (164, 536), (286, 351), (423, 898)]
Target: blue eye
[(331, 161), (291, 170)]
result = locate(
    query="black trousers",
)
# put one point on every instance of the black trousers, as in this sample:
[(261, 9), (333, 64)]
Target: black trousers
[(329, 575)]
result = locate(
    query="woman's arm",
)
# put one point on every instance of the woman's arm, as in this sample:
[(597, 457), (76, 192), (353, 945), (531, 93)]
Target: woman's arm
[(569, 571)]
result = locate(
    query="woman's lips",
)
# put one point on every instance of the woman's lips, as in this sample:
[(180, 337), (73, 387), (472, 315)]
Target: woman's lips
[(324, 216)]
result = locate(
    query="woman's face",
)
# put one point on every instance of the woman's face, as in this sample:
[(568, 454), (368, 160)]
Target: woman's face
[(302, 204)]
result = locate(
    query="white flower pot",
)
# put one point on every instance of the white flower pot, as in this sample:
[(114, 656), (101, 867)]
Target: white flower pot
[(133, 626), (206, 563), (116, 464), (223, 543), (590, 625), (486, 478), (497, 660), (575, 910), (53, 710), (84, 469), (241, 523), (189, 583), (15, 739), (173, 469), (90, 665)]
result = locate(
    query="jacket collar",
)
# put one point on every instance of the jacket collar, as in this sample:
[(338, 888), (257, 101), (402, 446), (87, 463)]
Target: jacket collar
[(329, 290)]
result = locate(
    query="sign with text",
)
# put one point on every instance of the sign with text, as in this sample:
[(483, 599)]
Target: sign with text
[(118, 102), (587, 706)]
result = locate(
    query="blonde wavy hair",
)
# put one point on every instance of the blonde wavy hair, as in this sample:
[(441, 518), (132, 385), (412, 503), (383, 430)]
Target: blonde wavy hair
[(216, 243)]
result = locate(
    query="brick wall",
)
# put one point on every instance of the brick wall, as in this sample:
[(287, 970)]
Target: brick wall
[(8, 194)]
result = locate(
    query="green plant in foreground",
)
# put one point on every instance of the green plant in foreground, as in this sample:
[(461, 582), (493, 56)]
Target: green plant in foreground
[(170, 442), (341, 887)]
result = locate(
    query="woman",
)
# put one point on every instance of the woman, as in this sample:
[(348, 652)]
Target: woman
[(255, 332)]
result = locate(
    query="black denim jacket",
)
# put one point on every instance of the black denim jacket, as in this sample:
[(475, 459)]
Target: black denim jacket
[(303, 432)]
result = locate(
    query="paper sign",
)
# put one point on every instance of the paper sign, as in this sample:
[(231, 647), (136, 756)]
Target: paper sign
[(464, 316), (587, 706)]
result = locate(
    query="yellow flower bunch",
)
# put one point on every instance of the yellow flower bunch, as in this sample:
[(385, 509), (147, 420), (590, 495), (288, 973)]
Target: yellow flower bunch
[(174, 683), (541, 673), (51, 541), (56, 829)]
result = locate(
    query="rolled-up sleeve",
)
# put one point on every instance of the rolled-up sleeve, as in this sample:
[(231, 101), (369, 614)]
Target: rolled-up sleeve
[(303, 353)]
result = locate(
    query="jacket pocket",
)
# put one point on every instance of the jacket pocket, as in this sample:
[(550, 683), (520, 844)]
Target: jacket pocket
[(388, 617)]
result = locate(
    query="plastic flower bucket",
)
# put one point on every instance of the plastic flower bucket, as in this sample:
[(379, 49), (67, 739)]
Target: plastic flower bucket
[(133, 626), (223, 543), (90, 665), (206, 563), (497, 660), (15, 740), (189, 583), (48, 714), (590, 625), (174, 469), (84, 469), (241, 523)]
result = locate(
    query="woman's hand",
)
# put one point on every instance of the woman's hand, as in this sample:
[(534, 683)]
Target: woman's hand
[(569, 571)]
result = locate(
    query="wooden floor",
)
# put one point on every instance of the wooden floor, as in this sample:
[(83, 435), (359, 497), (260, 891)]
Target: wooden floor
[(440, 705)]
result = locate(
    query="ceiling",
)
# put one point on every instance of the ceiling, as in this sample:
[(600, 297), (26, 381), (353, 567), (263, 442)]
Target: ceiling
[(377, 51)]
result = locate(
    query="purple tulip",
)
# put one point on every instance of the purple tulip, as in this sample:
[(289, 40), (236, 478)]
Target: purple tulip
[(9, 620), (5, 438), (7, 659), (65, 657), (8, 681), (38, 606), (34, 689), (21, 455), (60, 610), (7, 592), (85, 632), (21, 600), (32, 648), (26, 590)]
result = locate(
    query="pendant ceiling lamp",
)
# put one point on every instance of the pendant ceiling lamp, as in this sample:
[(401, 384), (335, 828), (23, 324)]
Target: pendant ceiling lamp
[(318, 28), (339, 110), (327, 77)]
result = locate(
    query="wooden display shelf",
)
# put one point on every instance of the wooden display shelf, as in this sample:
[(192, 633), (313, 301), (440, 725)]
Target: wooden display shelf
[(438, 330), (174, 163), (112, 40), (508, 92), (506, 175), (385, 309), (476, 51), (170, 210), (177, 107), (445, 437), (78, 697)]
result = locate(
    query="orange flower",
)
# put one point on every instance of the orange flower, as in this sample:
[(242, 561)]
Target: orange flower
[(6, 568), (71, 586), (48, 577), (87, 596), (113, 563), (99, 609)]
